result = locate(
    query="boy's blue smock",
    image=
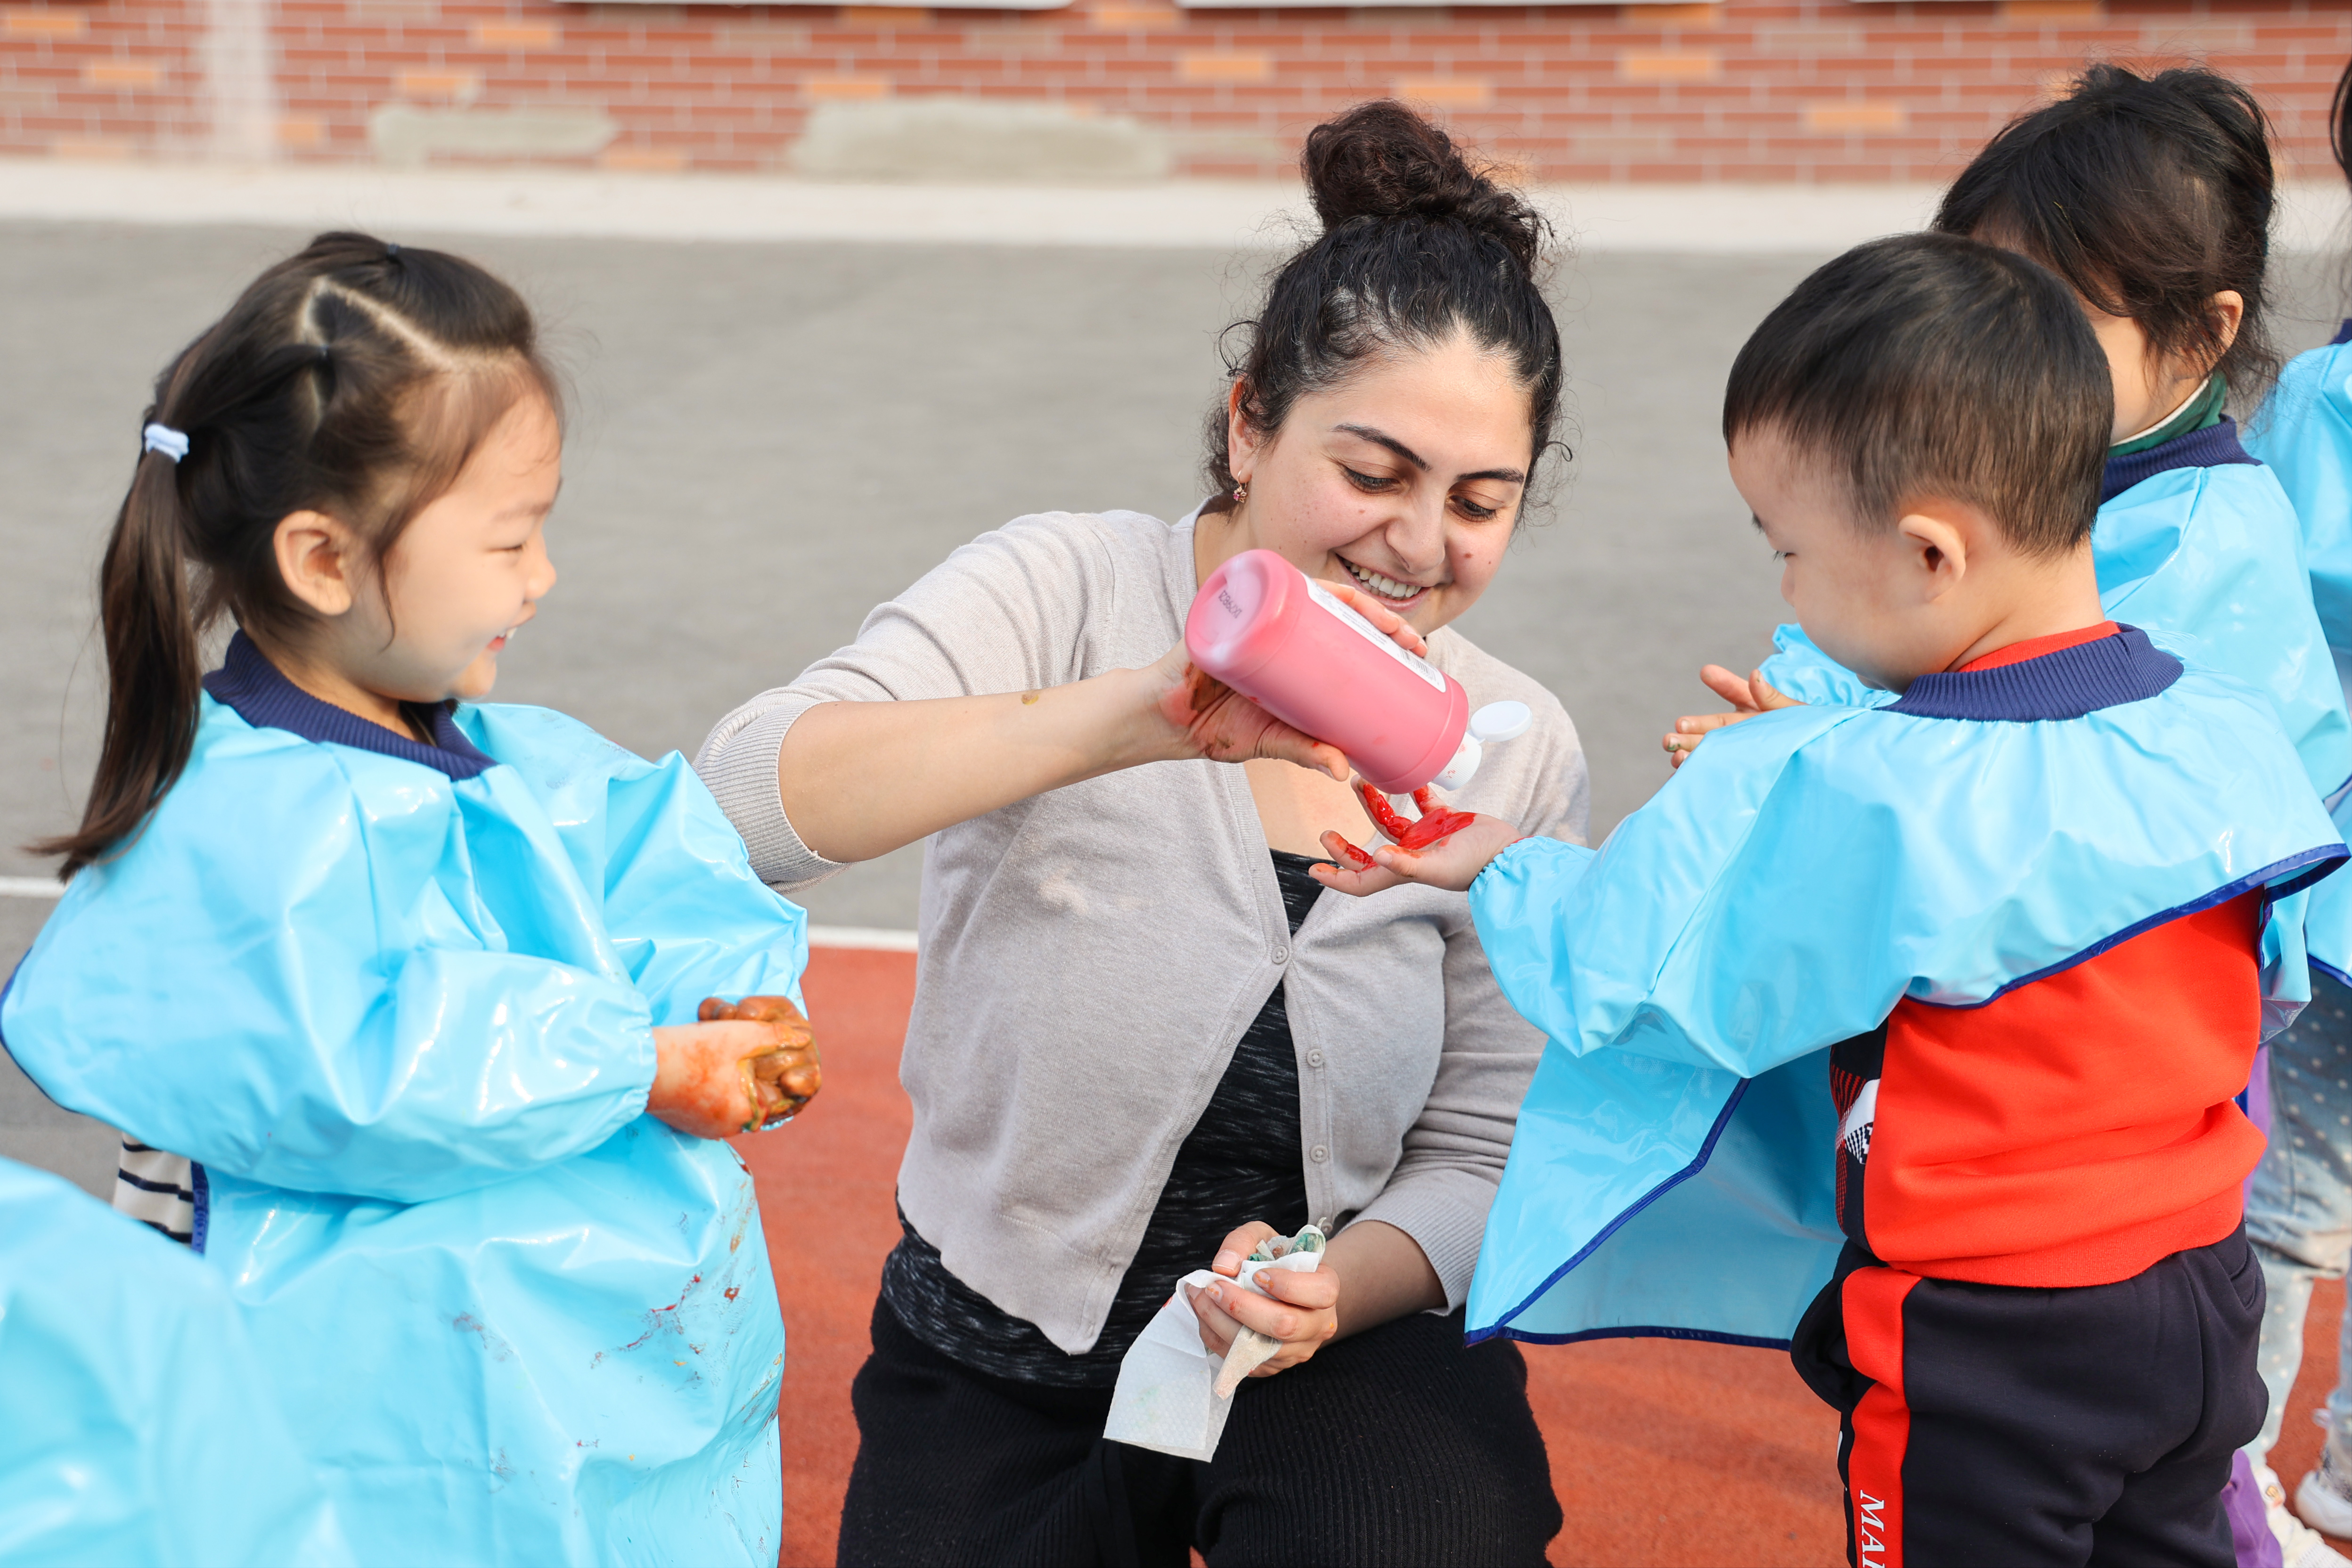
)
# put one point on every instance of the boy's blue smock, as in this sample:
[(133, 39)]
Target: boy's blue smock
[(1672, 1171), (136, 1421), (395, 1002), (2304, 434), (2195, 538)]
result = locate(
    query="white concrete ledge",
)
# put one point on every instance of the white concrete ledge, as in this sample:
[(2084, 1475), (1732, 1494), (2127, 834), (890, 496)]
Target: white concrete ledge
[(1173, 214)]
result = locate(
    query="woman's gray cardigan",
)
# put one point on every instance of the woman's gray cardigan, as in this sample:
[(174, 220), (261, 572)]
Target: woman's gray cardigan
[(1090, 956)]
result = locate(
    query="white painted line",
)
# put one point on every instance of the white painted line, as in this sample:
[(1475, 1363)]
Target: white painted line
[(872, 939), (1218, 214)]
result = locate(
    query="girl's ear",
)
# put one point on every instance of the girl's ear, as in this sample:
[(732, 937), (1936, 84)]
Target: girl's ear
[(2229, 309), (318, 561)]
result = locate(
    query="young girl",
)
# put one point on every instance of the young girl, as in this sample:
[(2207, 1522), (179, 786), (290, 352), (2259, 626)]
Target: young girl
[(410, 983), (2152, 197), (2299, 1211)]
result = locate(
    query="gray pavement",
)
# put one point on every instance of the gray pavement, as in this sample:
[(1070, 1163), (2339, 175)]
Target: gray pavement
[(768, 438)]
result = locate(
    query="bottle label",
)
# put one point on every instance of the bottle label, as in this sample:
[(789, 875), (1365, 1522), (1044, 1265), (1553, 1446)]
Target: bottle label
[(1374, 636)]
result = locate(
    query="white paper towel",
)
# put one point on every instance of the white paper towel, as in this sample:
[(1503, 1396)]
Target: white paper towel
[(1167, 1395)]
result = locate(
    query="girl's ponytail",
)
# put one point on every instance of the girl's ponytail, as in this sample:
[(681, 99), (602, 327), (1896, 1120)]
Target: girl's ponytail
[(153, 663), (2149, 196), (354, 379)]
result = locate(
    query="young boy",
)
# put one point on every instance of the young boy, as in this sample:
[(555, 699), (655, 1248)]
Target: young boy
[(2025, 922)]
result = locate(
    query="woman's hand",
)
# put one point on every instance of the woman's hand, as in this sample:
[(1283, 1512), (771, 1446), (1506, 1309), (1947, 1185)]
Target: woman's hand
[(1207, 718), (1301, 1317), (1747, 698), (747, 1065)]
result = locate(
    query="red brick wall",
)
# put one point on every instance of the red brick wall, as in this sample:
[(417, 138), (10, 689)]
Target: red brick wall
[(1742, 90)]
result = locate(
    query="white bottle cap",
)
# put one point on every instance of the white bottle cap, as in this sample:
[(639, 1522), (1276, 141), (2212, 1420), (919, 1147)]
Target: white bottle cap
[(1501, 721), (1495, 722)]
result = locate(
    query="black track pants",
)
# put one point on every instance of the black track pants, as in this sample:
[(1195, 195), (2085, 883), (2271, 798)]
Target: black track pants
[(1398, 1446), (1990, 1424)]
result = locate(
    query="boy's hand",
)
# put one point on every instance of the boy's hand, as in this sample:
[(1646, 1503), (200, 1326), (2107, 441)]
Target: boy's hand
[(1451, 862), (746, 1065), (1748, 697)]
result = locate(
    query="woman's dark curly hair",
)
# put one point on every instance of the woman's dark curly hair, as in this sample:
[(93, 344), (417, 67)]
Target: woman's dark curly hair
[(1417, 246)]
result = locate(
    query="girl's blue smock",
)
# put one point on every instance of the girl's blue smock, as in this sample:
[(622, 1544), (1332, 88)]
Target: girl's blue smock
[(395, 1002), (2197, 540), (1673, 1170), (136, 1423), (2304, 435)]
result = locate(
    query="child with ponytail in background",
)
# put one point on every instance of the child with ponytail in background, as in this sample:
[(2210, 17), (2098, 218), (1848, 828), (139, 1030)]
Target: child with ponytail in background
[(393, 994)]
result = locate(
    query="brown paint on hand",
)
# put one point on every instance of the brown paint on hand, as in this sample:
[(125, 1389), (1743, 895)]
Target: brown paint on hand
[(778, 1082), (1029, 697)]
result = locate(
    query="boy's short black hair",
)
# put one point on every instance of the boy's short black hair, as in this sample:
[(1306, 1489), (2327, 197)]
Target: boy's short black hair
[(1930, 366)]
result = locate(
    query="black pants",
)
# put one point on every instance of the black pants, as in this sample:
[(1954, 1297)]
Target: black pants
[(1988, 1423), (1398, 1446)]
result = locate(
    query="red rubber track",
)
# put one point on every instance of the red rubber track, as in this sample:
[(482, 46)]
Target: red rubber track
[(1680, 1455)]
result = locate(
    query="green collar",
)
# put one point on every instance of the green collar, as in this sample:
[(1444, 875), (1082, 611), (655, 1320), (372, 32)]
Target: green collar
[(2197, 414)]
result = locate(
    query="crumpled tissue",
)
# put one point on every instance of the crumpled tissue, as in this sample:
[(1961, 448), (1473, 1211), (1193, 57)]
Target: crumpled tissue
[(1167, 1397)]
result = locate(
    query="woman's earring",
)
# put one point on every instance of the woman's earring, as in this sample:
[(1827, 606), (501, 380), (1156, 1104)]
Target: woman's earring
[(1241, 492)]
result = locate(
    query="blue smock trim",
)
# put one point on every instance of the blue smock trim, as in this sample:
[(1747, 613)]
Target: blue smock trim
[(2214, 446), (2315, 863), (203, 1187), (1624, 1217), (262, 696), (2066, 683), (1639, 1331), (2342, 335)]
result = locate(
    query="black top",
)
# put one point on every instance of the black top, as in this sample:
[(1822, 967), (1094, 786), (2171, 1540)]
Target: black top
[(1240, 1163)]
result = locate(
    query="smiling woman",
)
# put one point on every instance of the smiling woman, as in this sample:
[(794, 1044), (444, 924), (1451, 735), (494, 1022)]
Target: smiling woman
[(1139, 1042)]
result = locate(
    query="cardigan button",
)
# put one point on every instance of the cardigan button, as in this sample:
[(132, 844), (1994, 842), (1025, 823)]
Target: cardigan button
[(1282, 955), (1315, 1059), (1318, 1153)]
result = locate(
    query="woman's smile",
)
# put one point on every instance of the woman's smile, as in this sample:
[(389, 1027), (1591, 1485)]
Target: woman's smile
[(1399, 597)]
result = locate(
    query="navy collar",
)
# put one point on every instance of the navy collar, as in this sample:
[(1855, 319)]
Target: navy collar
[(2066, 684), (2342, 335), (264, 698), (2214, 446)]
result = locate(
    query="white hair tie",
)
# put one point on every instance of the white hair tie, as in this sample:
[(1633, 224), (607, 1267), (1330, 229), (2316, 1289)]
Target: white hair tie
[(173, 444)]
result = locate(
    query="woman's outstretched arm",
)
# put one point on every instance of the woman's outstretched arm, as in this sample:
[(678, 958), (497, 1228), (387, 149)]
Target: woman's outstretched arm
[(860, 779), (1006, 671)]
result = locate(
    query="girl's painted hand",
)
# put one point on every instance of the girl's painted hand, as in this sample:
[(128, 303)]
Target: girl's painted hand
[(1300, 1312), (788, 1074), (1748, 697), (746, 1065)]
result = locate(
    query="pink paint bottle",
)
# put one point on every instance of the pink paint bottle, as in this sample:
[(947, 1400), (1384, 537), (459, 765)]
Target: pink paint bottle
[(1261, 627)]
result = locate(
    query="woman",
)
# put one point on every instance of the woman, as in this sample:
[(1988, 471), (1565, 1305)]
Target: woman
[(1139, 1042)]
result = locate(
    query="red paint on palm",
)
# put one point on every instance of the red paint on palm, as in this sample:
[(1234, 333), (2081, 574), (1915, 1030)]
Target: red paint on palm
[(1435, 825)]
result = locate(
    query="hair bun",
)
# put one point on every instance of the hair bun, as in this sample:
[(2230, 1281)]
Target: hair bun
[(1383, 161)]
